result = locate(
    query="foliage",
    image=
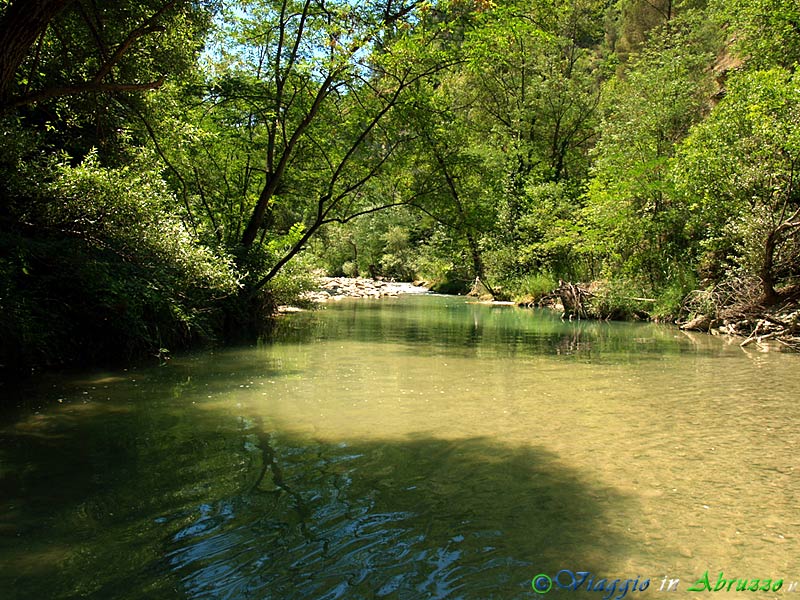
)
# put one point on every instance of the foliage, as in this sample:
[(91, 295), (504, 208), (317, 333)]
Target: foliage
[(290, 285), (632, 217), (545, 233), (670, 300), (296, 123), (530, 289), (738, 170), (618, 300), (103, 266), (533, 73), (78, 82), (765, 31), (380, 244)]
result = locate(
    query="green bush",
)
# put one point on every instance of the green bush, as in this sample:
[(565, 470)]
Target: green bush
[(531, 288), (616, 300), (670, 300), (103, 267), (448, 285), (289, 286), (349, 269)]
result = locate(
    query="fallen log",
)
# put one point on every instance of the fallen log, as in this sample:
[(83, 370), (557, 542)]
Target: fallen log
[(759, 338)]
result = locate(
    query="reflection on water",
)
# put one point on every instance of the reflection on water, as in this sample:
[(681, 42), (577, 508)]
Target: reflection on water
[(420, 447)]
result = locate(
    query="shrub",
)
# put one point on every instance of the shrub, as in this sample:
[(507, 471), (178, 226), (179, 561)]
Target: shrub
[(670, 300), (104, 267), (616, 300), (529, 289)]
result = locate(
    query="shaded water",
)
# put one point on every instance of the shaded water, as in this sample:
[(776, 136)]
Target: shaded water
[(409, 448)]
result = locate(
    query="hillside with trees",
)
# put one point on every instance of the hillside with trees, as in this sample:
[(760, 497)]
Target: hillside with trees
[(171, 171)]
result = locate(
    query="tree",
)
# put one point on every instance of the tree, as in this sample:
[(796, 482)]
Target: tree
[(57, 48), (631, 217), (535, 95), (303, 93), (739, 169), (452, 184), (86, 218), (522, 115), (21, 23), (767, 32)]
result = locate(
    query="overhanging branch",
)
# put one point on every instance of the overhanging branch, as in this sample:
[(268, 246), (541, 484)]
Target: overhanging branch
[(82, 88), (96, 83)]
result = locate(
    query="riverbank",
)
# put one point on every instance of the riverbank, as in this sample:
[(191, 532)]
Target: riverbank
[(758, 325), (339, 288), (702, 311)]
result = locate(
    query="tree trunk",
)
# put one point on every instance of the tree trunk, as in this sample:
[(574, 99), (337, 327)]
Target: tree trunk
[(260, 210), (770, 296), (474, 250), (22, 22)]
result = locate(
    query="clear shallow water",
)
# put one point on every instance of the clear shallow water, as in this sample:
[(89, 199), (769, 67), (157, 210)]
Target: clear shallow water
[(419, 447)]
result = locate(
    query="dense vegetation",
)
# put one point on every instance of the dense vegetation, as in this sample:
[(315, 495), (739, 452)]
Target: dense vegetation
[(171, 170)]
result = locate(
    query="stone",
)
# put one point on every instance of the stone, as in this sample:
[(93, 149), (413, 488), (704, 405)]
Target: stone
[(699, 323)]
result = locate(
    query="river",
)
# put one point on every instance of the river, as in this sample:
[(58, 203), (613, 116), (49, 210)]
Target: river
[(417, 447)]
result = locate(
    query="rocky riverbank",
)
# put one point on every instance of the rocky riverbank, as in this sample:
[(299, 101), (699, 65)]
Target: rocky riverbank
[(749, 320), (781, 325), (339, 288)]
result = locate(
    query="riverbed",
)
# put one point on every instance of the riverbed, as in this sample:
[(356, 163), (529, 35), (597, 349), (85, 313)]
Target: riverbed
[(409, 448)]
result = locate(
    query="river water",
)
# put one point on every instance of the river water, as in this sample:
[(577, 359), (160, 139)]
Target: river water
[(409, 448)]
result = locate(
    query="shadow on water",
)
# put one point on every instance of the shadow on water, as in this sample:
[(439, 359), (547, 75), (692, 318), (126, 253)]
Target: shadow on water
[(115, 502), (424, 518)]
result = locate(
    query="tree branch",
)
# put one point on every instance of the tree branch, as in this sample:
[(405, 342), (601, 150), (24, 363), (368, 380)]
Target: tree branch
[(21, 23), (361, 213), (96, 83), (81, 88), (274, 178)]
